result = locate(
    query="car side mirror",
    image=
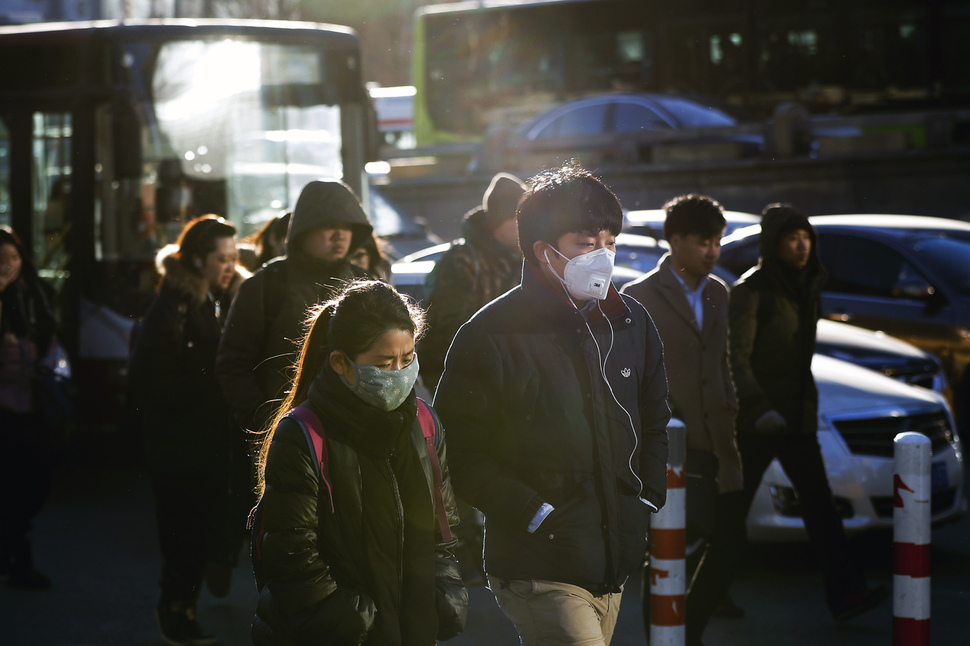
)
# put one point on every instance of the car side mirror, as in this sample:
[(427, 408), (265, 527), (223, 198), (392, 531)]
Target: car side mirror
[(914, 288)]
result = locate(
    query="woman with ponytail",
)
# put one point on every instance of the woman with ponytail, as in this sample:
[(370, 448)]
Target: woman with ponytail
[(353, 550)]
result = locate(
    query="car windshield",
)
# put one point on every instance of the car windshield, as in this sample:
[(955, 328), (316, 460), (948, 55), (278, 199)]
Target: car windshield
[(694, 115), (947, 259)]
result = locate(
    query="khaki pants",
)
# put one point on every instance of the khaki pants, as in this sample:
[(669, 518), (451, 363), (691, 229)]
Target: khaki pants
[(546, 613)]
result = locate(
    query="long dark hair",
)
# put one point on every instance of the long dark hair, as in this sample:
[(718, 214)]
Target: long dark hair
[(352, 322), (198, 238)]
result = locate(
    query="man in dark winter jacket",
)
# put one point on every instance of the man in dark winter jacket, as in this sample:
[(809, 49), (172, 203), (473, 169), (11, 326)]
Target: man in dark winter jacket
[(481, 267), (773, 313), (258, 347), (554, 397)]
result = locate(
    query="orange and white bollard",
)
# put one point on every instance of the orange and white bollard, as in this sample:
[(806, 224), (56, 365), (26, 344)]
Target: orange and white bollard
[(911, 540), (668, 569)]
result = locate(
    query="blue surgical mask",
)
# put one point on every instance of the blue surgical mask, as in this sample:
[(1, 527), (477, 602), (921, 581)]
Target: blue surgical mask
[(383, 389)]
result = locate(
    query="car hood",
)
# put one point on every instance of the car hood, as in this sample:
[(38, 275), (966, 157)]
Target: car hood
[(874, 350), (845, 387), (836, 334)]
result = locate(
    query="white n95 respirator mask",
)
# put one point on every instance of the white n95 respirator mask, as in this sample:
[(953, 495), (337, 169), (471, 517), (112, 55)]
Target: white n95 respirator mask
[(588, 275)]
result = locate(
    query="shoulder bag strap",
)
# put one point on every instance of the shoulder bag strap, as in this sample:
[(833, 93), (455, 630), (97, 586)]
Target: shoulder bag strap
[(313, 430), (429, 429)]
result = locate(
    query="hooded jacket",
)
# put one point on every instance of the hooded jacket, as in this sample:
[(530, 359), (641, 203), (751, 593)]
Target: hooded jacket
[(773, 313), (265, 325), (472, 272), (343, 574), (531, 420), (180, 407)]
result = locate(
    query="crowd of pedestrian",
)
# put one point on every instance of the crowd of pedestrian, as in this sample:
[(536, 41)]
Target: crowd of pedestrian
[(541, 458)]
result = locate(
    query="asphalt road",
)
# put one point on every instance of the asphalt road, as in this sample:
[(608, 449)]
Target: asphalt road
[(96, 540)]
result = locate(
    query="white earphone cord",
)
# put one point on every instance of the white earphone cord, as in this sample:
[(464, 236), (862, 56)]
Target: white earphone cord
[(602, 367)]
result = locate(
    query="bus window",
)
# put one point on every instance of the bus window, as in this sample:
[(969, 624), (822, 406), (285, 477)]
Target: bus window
[(51, 186), (114, 135)]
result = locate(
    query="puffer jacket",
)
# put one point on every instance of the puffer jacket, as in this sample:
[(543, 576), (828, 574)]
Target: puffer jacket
[(531, 420), (470, 274), (329, 575), (773, 312), (259, 345), (172, 385)]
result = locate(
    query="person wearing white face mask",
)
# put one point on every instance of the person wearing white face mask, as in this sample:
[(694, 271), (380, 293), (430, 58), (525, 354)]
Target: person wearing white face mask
[(351, 546), (554, 395)]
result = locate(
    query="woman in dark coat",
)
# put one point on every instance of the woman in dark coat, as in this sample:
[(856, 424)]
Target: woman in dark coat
[(363, 560), (26, 334), (195, 453), (773, 313)]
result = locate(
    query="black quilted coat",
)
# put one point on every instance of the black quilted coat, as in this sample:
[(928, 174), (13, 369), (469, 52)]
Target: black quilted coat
[(532, 420), (373, 568)]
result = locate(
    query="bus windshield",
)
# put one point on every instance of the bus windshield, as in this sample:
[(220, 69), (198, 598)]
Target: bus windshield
[(249, 114)]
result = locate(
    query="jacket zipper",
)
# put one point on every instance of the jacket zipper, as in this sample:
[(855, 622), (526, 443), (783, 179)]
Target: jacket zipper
[(400, 534)]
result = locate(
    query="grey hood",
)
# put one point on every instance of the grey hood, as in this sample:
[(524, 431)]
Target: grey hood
[(323, 204)]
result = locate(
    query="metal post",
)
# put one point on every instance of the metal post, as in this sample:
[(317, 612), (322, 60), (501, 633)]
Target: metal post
[(911, 540), (668, 571)]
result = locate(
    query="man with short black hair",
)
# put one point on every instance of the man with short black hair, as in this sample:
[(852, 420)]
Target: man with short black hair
[(554, 397), (690, 308)]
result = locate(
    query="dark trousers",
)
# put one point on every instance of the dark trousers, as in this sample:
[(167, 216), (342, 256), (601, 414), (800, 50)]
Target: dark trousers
[(25, 481), (719, 563), (199, 521), (801, 459), (183, 541)]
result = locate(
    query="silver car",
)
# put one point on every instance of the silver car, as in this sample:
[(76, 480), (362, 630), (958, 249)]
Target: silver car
[(860, 412)]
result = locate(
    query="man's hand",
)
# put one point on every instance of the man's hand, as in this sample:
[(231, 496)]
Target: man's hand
[(771, 422)]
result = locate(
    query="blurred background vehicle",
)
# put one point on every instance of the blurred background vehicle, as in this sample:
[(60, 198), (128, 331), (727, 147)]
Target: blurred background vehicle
[(401, 233), (860, 412), (650, 222), (620, 128), (635, 255), (908, 276)]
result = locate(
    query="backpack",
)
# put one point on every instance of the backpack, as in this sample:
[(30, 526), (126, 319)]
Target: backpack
[(317, 442)]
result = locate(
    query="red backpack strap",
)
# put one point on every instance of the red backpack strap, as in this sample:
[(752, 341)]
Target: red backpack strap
[(429, 429), (313, 430)]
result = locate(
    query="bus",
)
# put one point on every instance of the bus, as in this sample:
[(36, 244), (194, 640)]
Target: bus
[(480, 63), (113, 135)]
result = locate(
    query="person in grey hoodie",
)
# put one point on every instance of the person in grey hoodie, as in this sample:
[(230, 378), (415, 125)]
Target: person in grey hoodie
[(258, 348)]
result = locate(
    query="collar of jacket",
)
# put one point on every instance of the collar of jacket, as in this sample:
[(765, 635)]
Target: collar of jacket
[(307, 269), (475, 230), (554, 304), (192, 285)]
